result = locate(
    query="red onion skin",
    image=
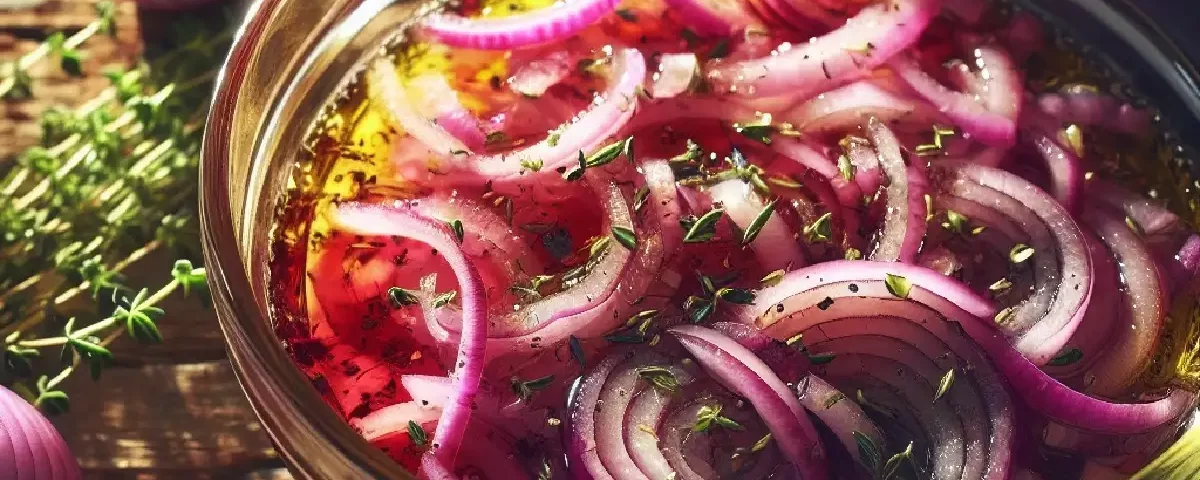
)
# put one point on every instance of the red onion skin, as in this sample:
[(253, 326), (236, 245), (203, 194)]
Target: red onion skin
[(739, 370), (528, 29), (958, 303), (30, 447), (381, 220), (813, 67)]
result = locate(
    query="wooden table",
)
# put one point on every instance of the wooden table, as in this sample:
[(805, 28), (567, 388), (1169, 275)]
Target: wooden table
[(172, 411)]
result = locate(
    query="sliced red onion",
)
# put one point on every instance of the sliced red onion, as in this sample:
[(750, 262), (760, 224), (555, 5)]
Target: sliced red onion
[(867, 171), (440, 102), (738, 369), (30, 447), (1142, 311), (1066, 172), (489, 235), (586, 133), (794, 305), (870, 39), (534, 78), (675, 75), (913, 361), (1171, 240), (533, 28), (384, 84), (393, 419), (847, 191), (1045, 318), (1094, 335), (649, 408), (718, 18), (802, 15), (903, 228), (843, 418), (775, 246), (583, 454), (987, 113), (366, 219), (1087, 108), (848, 108)]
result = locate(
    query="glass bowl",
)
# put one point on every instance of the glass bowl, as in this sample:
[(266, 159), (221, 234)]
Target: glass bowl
[(291, 56)]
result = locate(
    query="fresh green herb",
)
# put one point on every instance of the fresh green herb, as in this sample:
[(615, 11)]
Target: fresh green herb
[(544, 471), (758, 223), (401, 297), (553, 138), (494, 138), (821, 358), (1020, 253), (892, 467), (640, 197), (659, 377), (978, 230), (699, 309), (691, 155), (820, 230), (761, 444), (833, 399), (627, 149), (416, 434), (532, 164), (955, 222), (898, 285), (710, 415), (1068, 357), (444, 299), (797, 339), (456, 226), (625, 236), (525, 389), (1004, 316), (846, 168), (736, 295), (705, 228), (640, 317), (607, 153), (577, 351), (1134, 226), (944, 385), (759, 130), (869, 452), (853, 254), (772, 279), (1000, 286)]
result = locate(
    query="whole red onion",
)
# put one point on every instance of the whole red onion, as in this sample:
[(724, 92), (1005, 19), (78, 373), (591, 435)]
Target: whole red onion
[(30, 447)]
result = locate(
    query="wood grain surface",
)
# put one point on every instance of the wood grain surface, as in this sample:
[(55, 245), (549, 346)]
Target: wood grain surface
[(172, 411)]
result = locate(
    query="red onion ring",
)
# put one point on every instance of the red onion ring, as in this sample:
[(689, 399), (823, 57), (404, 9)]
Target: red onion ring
[(533, 28), (847, 108), (1091, 109), (992, 118), (30, 447), (384, 85), (883, 30), (365, 219), (1142, 311), (940, 296), (1043, 321), (775, 246), (440, 102), (1094, 335), (848, 193), (1066, 172), (903, 228), (739, 370)]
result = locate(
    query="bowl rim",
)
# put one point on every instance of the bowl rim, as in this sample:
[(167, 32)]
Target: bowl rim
[(267, 374)]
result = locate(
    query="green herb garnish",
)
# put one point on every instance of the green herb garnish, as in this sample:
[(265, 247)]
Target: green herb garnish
[(659, 377), (758, 223), (625, 236), (525, 389), (897, 285)]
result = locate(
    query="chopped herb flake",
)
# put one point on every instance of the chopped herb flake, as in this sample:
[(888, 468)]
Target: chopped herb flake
[(444, 299), (898, 285), (758, 223), (944, 385), (1067, 358), (1020, 253), (846, 168), (736, 295), (401, 297), (525, 390), (704, 228), (577, 351), (772, 279), (456, 226), (868, 452), (416, 434), (625, 236), (659, 377)]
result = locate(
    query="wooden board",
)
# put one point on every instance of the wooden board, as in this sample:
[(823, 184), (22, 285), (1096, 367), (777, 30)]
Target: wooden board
[(171, 411)]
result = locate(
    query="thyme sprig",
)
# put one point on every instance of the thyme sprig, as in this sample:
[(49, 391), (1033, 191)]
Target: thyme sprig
[(111, 183)]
